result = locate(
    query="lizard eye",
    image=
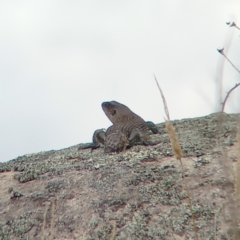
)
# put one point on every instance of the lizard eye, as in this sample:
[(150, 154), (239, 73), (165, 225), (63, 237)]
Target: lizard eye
[(113, 112)]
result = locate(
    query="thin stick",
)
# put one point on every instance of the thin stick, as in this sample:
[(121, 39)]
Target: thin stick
[(163, 98), (228, 93), (233, 25), (221, 51)]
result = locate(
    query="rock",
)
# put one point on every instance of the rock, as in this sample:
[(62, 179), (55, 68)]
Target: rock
[(137, 194)]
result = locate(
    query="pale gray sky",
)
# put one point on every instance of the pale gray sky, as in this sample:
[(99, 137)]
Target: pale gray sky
[(61, 59)]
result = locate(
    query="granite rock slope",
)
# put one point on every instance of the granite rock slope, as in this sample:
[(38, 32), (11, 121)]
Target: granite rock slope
[(136, 194)]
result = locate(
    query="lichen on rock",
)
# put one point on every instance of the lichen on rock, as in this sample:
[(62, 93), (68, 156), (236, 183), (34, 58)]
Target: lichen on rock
[(136, 194)]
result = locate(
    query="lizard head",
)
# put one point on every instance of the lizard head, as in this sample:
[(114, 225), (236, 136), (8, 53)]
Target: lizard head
[(117, 112)]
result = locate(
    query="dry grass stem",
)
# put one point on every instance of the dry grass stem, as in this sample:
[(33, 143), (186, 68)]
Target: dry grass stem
[(164, 100), (113, 231), (190, 205), (174, 140), (237, 187), (44, 223), (53, 207), (178, 153)]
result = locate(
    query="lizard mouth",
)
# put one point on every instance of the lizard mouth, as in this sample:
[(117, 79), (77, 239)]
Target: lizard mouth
[(106, 104)]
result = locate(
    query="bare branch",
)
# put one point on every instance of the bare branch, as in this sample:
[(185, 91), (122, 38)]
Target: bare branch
[(221, 51), (233, 24), (228, 93)]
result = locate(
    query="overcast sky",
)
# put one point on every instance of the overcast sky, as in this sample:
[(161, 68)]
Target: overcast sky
[(59, 60)]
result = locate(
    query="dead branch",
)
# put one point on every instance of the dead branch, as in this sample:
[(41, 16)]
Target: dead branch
[(228, 93)]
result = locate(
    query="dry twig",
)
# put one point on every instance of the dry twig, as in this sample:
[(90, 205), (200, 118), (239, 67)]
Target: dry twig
[(221, 51)]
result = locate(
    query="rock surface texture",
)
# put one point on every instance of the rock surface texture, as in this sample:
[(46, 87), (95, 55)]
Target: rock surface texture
[(136, 194)]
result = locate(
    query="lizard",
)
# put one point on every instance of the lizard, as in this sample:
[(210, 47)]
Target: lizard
[(128, 129)]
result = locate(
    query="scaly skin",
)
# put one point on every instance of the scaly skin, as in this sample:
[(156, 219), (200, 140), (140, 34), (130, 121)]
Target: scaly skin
[(128, 129)]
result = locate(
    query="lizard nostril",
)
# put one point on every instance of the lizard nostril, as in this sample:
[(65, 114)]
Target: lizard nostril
[(105, 104)]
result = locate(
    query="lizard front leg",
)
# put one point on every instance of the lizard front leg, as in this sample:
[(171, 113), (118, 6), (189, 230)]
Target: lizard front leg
[(99, 137), (152, 127)]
